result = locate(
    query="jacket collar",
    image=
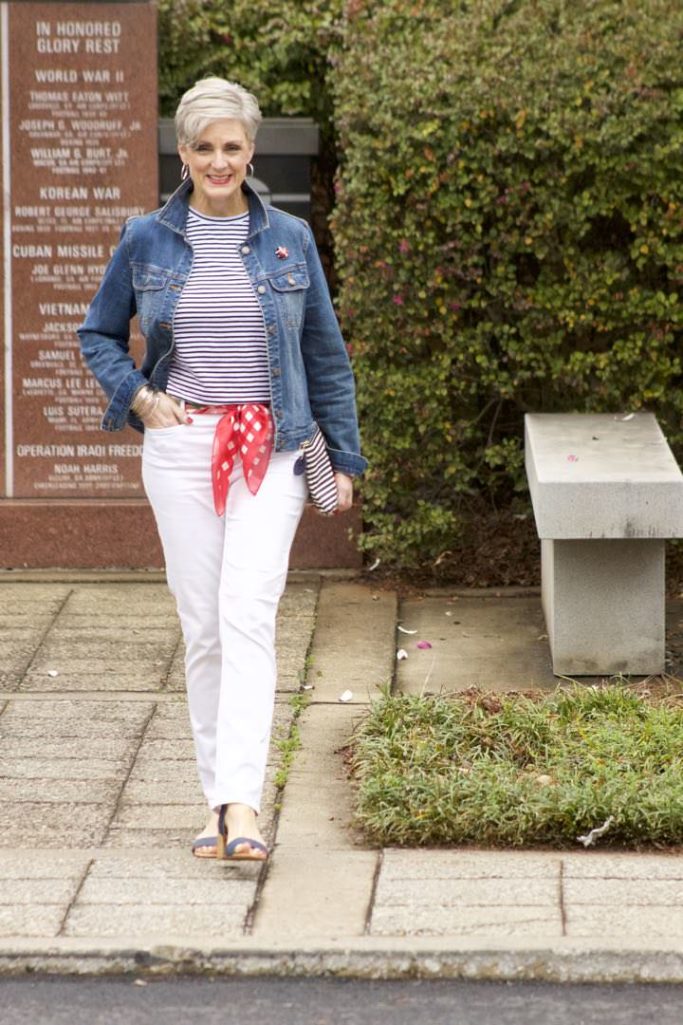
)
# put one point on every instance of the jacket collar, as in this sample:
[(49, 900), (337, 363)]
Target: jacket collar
[(174, 212)]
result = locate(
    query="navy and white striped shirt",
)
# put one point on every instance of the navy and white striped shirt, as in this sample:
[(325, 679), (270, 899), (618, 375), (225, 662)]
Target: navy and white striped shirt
[(220, 353)]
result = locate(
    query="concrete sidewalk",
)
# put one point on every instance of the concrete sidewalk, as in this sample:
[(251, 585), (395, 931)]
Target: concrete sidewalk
[(100, 802)]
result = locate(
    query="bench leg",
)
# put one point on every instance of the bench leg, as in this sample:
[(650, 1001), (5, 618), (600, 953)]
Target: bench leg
[(604, 606)]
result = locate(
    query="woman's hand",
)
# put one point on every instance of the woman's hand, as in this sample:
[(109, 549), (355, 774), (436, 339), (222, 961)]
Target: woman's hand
[(156, 409), (344, 491)]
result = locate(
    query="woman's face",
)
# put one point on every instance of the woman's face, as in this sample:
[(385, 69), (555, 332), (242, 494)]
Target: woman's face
[(218, 165)]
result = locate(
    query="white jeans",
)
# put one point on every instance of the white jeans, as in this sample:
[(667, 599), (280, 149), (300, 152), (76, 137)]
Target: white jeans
[(227, 575)]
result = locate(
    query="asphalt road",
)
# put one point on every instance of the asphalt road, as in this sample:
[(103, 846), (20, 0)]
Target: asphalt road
[(269, 1001)]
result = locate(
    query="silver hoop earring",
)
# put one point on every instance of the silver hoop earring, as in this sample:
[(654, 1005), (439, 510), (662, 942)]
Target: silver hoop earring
[(185, 172), (251, 172)]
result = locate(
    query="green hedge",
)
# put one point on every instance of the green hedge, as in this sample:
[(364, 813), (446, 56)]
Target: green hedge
[(509, 238), (279, 51)]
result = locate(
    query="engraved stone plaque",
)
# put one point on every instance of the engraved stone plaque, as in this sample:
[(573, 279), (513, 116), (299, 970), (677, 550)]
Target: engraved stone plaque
[(79, 156)]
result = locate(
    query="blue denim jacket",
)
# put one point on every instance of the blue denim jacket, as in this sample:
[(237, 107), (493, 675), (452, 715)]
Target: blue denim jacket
[(310, 374)]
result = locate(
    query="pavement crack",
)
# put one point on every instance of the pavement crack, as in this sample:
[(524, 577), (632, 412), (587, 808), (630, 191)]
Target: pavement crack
[(563, 908), (250, 916), (124, 783), (367, 928), (169, 667), (43, 637), (72, 903)]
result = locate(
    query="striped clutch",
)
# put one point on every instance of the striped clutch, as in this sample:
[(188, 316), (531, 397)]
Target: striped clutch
[(322, 486)]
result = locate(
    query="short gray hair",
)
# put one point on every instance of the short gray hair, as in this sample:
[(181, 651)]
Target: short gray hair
[(213, 98)]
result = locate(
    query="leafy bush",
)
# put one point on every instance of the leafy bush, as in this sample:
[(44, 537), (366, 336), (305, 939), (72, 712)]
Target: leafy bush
[(279, 51), (513, 770), (509, 238)]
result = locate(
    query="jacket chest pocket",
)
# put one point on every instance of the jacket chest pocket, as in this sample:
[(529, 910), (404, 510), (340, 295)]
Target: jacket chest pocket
[(149, 285), (289, 289)]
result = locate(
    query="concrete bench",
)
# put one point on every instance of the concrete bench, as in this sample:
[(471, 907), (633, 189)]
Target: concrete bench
[(606, 492)]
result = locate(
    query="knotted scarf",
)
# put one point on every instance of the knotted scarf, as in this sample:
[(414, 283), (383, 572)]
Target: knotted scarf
[(247, 430)]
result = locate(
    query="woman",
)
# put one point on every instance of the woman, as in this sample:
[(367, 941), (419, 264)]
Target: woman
[(244, 361)]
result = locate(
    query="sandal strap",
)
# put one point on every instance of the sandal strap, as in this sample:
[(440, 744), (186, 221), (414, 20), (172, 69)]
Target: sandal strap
[(205, 841), (255, 845)]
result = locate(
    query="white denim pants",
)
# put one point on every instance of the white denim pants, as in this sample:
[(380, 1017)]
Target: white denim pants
[(227, 575)]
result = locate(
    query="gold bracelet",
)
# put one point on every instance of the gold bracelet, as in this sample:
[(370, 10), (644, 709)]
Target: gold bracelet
[(150, 401)]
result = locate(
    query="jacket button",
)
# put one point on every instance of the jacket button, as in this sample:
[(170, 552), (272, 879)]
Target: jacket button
[(276, 371), (261, 289), (246, 250)]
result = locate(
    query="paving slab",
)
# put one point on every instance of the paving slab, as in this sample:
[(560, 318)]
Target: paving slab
[(468, 863), (184, 892), (85, 678), (110, 713), (164, 922), (37, 891), (27, 727), (167, 816), (59, 824), (51, 769), (317, 804), (492, 923), (622, 865), (496, 643), (663, 893), (177, 771), (353, 647), (332, 895), (28, 920), (645, 925), (150, 794), (103, 748), (42, 864), (162, 864), (59, 791), (149, 601), (419, 894)]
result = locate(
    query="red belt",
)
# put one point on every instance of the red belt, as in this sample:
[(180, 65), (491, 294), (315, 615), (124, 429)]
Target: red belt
[(246, 429)]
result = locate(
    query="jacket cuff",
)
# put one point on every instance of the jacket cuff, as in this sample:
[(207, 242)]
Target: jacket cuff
[(118, 413), (347, 462)]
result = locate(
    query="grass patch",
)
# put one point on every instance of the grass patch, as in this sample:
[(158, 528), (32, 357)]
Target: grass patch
[(522, 770)]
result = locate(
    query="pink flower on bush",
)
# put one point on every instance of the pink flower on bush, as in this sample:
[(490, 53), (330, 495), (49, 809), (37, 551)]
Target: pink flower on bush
[(404, 245), (397, 299)]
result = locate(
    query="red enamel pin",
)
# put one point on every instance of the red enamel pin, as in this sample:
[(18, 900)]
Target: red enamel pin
[(282, 252)]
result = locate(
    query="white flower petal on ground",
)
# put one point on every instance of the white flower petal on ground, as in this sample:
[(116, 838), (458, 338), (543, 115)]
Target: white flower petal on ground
[(401, 654), (346, 696)]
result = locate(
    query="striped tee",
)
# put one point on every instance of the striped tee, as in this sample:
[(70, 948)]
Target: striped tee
[(220, 353)]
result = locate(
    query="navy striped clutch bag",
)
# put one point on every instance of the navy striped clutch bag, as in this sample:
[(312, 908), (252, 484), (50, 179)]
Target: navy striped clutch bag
[(322, 486)]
